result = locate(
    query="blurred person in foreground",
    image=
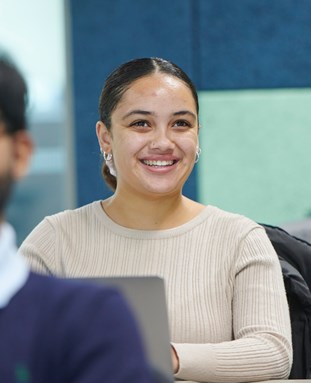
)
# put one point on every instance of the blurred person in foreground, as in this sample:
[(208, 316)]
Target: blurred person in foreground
[(53, 330)]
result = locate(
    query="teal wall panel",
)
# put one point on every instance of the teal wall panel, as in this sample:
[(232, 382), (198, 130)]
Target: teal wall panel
[(256, 157)]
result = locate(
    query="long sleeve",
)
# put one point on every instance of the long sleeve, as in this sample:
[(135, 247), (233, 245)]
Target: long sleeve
[(261, 347), (39, 249)]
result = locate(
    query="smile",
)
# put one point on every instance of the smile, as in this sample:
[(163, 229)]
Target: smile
[(159, 163)]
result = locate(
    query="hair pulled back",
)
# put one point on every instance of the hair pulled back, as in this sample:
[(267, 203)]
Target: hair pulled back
[(119, 81)]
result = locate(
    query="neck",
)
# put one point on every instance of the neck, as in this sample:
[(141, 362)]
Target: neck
[(158, 213)]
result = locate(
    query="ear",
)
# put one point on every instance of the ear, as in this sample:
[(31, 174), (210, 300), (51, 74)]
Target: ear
[(22, 151), (104, 137)]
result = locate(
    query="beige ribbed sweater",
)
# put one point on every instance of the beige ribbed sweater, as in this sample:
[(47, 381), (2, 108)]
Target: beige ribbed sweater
[(227, 307)]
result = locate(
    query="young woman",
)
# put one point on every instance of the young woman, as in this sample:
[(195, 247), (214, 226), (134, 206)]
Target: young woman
[(227, 305)]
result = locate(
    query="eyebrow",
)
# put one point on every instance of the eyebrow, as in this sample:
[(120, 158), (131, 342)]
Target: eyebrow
[(147, 113), (183, 112), (137, 111)]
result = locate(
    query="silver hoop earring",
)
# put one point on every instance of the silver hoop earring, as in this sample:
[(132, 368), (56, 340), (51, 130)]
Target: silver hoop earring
[(197, 155), (108, 161), (106, 156)]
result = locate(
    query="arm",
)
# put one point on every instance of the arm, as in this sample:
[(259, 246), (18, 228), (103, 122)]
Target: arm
[(175, 360), (39, 248), (260, 348)]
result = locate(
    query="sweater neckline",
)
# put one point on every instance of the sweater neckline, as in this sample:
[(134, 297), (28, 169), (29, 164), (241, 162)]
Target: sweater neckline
[(149, 234)]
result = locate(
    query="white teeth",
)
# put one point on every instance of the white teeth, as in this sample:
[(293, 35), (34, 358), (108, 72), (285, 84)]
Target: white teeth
[(158, 163)]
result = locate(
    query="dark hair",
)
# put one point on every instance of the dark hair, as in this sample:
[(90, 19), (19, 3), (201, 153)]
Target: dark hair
[(13, 96), (118, 82)]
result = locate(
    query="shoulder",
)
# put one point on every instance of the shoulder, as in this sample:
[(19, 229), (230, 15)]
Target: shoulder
[(227, 216), (232, 222), (221, 226), (86, 212), (64, 221), (57, 243)]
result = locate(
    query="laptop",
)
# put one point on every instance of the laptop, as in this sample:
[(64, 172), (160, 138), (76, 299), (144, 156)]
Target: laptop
[(146, 298)]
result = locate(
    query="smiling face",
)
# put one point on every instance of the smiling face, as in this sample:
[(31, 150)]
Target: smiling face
[(153, 137)]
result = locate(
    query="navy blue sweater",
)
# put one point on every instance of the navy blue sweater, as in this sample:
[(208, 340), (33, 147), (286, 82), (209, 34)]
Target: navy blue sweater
[(56, 331)]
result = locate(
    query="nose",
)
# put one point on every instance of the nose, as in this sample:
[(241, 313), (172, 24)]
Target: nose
[(161, 140)]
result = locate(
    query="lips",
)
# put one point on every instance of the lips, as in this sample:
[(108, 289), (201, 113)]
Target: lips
[(158, 163)]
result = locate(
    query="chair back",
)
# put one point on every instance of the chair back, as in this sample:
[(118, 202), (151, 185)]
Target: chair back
[(295, 259)]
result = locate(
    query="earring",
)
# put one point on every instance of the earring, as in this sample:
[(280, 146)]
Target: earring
[(106, 156), (197, 155)]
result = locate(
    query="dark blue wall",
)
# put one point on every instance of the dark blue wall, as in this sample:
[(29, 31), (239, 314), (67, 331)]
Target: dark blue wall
[(254, 44), (221, 44)]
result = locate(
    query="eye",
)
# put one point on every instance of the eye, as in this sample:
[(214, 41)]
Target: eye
[(140, 123), (182, 124)]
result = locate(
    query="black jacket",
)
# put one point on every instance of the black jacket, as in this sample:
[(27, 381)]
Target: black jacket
[(295, 258)]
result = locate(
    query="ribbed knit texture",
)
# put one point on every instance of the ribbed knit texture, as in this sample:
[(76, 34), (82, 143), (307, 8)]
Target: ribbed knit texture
[(223, 282)]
